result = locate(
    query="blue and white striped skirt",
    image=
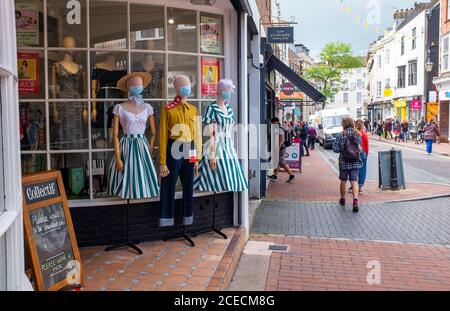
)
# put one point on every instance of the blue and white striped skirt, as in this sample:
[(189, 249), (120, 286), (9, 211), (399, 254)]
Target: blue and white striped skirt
[(138, 180)]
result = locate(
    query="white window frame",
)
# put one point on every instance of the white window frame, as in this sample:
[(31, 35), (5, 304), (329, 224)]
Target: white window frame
[(402, 46), (379, 61), (379, 89), (387, 56), (414, 40), (359, 97), (345, 97), (445, 53), (11, 226)]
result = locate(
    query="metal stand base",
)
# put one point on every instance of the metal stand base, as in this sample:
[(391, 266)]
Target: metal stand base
[(128, 243), (184, 236), (213, 226)]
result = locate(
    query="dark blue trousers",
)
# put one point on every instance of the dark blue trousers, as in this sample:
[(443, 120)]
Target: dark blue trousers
[(178, 167)]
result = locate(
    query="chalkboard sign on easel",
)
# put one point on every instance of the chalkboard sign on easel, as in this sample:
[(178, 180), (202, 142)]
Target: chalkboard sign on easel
[(49, 232)]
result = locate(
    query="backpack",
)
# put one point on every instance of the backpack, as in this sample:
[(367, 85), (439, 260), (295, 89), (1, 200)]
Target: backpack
[(288, 138), (351, 152)]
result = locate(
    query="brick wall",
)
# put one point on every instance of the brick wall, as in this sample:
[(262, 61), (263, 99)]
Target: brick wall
[(445, 23), (105, 225), (264, 7)]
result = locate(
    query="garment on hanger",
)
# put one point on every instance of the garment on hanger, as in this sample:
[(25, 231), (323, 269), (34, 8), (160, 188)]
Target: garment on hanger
[(138, 180), (107, 80), (228, 175), (154, 89), (68, 132)]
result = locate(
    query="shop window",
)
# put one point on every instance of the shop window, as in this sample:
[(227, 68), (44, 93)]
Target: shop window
[(211, 72), (31, 74), (66, 18), (182, 30), (74, 173), (67, 74), (147, 27), (69, 125), (211, 34), (33, 163), (182, 65), (32, 122), (108, 24), (155, 65), (29, 23)]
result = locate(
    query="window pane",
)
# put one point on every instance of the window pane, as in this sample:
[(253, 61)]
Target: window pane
[(182, 65), (211, 34), (212, 72), (155, 65), (107, 69), (68, 77), (73, 171), (33, 163), (68, 127), (108, 24), (147, 27), (29, 23), (3, 267), (2, 189), (32, 123), (63, 21), (182, 30), (101, 162), (31, 70)]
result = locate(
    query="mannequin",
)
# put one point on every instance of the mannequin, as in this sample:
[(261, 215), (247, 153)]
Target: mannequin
[(133, 153), (179, 152), (67, 79), (104, 79), (219, 169)]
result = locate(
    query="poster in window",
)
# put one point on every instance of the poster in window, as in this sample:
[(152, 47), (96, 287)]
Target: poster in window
[(27, 23), (211, 37), (210, 76), (28, 68)]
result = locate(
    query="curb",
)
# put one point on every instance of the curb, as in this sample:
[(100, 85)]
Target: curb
[(445, 155)]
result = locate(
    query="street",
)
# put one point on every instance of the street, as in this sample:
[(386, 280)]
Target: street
[(417, 166)]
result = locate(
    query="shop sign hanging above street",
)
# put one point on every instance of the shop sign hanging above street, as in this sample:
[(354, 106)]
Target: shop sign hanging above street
[(280, 35)]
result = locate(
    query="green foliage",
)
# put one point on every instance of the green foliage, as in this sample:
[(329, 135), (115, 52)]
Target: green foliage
[(335, 57)]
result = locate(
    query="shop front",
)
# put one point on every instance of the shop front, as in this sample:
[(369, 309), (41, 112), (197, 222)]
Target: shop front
[(68, 56), (443, 116), (400, 109)]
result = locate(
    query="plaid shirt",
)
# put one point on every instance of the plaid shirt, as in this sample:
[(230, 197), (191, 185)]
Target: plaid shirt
[(339, 146)]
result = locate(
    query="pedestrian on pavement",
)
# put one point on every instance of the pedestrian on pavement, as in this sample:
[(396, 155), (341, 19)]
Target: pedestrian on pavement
[(405, 131), (397, 131), (347, 144), (298, 129), (364, 155), (367, 125), (312, 136), (388, 129), (304, 139), (283, 141), (380, 128), (431, 134)]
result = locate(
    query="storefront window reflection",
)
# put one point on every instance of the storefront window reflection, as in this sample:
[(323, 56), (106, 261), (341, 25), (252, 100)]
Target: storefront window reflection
[(66, 19), (182, 30), (155, 65), (32, 124), (108, 24), (147, 27), (73, 170), (182, 65)]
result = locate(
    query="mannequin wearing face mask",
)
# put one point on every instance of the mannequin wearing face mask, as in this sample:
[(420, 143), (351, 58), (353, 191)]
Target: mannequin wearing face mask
[(219, 169), (132, 174), (180, 146)]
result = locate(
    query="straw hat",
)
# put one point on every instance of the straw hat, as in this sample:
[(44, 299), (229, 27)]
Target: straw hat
[(145, 76)]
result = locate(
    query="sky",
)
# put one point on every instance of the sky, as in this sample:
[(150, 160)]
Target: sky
[(323, 21)]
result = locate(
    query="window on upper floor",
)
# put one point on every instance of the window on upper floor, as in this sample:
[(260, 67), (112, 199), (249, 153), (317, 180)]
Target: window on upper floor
[(359, 98), (401, 76), (445, 52), (379, 88), (412, 73), (387, 84), (379, 61), (387, 56), (359, 84), (413, 41), (345, 97), (402, 46)]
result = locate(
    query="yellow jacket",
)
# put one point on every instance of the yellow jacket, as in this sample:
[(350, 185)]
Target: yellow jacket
[(181, 122)]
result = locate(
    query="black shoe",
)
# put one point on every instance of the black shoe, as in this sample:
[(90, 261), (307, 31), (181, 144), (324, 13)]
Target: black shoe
[(355, 207), (272, 177), (342, 202), (291, 178)]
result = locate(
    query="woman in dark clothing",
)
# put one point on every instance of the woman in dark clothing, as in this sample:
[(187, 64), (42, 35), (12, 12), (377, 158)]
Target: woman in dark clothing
[(431, 133)]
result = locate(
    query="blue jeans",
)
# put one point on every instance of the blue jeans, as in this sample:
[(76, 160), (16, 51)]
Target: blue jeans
[(429, 145), (405, 136), (185, 170), (363, 170)]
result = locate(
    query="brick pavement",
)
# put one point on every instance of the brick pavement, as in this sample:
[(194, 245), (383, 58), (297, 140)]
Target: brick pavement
[(319, 183), (165, 266), (330, 264), (425, 221)]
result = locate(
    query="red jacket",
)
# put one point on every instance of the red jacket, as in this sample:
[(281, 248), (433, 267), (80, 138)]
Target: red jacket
[(365, 142)]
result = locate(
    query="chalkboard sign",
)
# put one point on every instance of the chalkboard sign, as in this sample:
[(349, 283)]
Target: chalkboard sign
[(49, 232)]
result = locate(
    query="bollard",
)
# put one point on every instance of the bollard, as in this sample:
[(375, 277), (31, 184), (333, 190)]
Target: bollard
[(394, 177)]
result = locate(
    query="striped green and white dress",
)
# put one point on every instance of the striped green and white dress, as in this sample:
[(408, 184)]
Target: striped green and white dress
[(138, 180), (228, 176)]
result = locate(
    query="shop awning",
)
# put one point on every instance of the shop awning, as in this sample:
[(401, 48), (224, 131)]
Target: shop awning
[(303, 85)]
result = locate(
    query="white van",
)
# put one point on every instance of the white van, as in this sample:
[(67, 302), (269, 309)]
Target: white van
[(330, 124)]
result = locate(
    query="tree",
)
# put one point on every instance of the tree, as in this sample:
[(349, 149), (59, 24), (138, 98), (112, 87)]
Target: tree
[(335, 57)]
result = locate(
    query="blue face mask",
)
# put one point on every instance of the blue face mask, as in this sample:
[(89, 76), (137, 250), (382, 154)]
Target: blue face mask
[(226, 95), (185, 91), (135, 90)]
